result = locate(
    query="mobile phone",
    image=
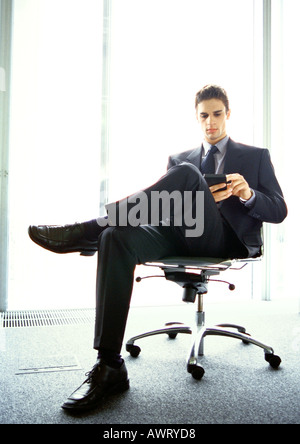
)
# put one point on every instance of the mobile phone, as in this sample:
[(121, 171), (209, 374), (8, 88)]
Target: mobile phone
[(215, 179)]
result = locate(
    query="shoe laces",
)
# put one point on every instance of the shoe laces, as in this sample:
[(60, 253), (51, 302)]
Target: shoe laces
[(91, 373)]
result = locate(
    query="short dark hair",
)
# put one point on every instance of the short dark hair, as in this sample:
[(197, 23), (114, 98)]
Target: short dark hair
[(209, 92)]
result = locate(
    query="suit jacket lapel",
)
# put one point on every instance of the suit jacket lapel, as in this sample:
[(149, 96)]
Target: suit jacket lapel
[(194, 157), (233, 159), (233, 162)]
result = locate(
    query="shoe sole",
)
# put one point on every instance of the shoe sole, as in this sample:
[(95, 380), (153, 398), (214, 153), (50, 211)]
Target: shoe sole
[(119, 388)]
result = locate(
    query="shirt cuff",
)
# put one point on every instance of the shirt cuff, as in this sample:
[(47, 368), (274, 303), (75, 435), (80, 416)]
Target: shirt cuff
[(248, 203)]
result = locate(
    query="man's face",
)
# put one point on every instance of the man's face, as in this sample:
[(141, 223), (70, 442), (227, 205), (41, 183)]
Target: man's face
[(212, 116)]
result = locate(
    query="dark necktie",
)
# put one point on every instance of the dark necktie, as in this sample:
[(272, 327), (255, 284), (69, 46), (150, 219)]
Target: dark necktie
[(208, 163)]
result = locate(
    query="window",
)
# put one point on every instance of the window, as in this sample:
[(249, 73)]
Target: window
[(55, 145), (161, 53)]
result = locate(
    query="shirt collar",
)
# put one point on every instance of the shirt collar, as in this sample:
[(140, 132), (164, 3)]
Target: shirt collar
[(220, 145)]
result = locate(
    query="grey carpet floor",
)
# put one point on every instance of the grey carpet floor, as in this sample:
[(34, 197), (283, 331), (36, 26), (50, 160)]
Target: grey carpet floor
[(41, 366)]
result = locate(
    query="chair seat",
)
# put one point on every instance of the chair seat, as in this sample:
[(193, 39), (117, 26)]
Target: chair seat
[(198, 262)]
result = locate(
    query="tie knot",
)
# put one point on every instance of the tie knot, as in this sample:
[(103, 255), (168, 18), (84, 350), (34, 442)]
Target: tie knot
[(213, 150)]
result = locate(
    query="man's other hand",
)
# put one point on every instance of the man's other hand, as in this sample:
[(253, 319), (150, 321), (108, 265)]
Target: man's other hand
[(237, 187)]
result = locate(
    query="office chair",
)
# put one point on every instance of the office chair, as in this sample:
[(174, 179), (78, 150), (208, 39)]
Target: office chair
[(193, 275)]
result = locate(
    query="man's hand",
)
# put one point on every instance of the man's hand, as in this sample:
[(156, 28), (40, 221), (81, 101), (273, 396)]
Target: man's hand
[(238, 187), (221, 195)]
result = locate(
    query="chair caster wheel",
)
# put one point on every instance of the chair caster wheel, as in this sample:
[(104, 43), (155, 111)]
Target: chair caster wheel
[(134, 350), (273, 360), (172, 335), (196, 371)]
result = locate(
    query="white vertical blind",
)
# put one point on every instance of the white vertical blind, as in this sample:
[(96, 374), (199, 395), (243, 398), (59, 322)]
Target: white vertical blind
[(285, 145), (5, 62)]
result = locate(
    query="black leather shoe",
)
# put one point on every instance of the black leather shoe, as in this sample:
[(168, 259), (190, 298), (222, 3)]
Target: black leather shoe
[(63, 239), (102, 381)]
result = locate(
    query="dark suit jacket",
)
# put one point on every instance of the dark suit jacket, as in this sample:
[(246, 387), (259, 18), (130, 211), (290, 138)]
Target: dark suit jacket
[(255, 165)]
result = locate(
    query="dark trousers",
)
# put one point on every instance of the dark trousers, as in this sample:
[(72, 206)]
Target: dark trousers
[(122, 248)]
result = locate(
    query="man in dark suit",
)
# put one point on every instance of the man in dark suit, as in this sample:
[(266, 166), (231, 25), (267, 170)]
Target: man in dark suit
[(232, 221)]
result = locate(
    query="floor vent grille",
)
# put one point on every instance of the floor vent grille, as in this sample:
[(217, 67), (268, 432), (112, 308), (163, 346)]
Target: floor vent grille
[(46, 318)]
